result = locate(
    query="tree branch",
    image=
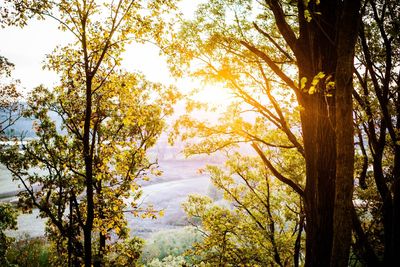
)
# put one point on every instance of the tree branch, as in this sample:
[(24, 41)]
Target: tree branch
[(276, 173)]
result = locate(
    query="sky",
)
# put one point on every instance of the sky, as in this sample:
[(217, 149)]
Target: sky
[(27, 48)]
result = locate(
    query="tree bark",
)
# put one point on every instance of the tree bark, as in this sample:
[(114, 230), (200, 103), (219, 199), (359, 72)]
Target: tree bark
[(319, 144), (317, 51), (318, 54), (342, 223), (87, 231)]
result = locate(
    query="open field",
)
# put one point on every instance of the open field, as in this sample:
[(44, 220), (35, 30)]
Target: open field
[(180, 178)]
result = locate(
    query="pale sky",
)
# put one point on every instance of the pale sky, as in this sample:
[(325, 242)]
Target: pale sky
[(27, 49)]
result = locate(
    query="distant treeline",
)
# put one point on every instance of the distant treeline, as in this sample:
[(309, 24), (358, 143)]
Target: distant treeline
[(23, 126)]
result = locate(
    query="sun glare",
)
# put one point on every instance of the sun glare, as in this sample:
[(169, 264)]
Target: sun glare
[(212, 94)]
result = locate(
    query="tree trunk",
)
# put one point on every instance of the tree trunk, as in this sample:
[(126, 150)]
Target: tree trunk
[(102, 238), (318, 119), (396, 180), (362, 245), (317, 51), (87, 232), (319, 144), (297, 245), (396, 204), (342, 223), (387, 203)]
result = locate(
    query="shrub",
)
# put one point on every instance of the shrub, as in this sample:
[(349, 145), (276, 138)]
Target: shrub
[(169, 243), (169, 261), (29, 252), (8, 220)]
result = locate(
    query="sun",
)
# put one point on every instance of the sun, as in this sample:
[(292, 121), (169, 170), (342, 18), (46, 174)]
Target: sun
[(212, 94)]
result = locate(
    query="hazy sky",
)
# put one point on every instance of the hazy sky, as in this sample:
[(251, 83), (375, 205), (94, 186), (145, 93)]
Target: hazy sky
[(27, 48)]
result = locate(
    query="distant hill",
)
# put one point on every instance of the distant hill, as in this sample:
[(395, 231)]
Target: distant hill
[(162, 150), (23, 126)]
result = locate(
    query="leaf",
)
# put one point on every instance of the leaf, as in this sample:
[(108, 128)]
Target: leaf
[(307, 15), (303, 82), (161, 213)]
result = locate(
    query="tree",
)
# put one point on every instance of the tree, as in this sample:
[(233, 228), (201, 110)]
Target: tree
[(378, 121), (255, 46), (86, 167), (254, 227), (10, 108), (8, 220)]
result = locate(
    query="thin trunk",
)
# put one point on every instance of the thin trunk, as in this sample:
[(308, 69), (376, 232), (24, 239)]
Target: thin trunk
[(102, 238), (271, 223), (297, 245), (396, 202), (70, 232), (387, 206), (396, 177), (362, 244), (87, 232)]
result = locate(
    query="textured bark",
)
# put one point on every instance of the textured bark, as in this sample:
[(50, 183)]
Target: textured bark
[(342, 223), (318, 120), (316, 50), (325, 43), (319, 143)]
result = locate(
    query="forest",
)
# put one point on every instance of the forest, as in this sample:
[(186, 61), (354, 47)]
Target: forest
[(302, 156)]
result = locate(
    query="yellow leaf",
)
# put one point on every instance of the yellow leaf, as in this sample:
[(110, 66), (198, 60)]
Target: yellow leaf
[(303, 82)]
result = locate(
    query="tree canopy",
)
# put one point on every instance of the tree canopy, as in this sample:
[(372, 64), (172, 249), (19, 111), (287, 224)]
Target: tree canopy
[(83, 174), (315, 117)]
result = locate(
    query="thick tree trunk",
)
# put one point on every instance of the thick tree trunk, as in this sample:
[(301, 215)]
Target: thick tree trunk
[(342, 223), (318, 120), (317, 52), (319, 144)]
